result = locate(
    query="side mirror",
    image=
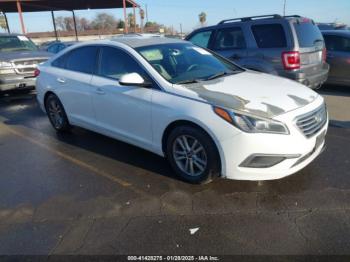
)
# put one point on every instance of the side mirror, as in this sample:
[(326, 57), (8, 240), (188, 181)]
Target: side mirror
[(133, 79)]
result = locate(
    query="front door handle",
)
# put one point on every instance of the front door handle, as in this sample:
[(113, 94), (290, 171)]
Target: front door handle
[(100, 91), (61, 80)]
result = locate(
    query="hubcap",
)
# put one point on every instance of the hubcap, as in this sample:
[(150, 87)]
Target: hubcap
[(189, 155), (56, 114)]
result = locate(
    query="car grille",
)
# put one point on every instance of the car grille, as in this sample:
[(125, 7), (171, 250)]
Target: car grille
[(311, 123), (27, 66)]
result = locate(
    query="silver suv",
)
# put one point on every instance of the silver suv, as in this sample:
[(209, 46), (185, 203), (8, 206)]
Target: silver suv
[(288, 46)]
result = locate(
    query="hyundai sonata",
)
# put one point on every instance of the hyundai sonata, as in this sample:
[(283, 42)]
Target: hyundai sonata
[(206, 115)]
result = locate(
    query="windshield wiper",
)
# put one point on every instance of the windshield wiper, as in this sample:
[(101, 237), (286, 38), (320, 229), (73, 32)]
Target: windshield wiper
[(188, 81), (220, 74)]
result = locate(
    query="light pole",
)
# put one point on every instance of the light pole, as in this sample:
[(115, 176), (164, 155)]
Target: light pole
[(284, 7)]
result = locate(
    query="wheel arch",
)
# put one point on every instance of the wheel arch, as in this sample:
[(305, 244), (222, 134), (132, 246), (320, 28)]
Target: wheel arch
[(177, 123)]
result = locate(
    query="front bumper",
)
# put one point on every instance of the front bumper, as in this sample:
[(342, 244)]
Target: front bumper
[(302, 149), (15, 82)]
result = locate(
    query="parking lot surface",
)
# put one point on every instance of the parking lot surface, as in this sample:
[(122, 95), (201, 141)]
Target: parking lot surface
[(83, 193)]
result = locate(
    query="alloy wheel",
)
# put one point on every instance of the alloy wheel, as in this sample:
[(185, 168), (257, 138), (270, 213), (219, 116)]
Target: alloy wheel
[(189, 155)]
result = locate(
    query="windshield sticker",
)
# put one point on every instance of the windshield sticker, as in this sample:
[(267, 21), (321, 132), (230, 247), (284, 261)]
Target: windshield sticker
[(201, 51), (22, 38)]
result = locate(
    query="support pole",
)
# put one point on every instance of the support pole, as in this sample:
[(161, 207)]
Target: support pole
[(134, 18), (125, 18), (54, 25), (19, 9), (7, 23), (75, 26)]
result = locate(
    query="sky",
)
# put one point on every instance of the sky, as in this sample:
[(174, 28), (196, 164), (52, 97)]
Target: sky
[(185, 12)]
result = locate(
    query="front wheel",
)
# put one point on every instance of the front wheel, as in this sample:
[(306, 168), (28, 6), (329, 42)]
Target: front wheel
[(56, 114), (193, 155)]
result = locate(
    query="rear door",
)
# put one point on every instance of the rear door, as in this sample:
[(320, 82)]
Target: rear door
[(270, 42), (71, 74), (338, 56), (230, 43), (311, 45)]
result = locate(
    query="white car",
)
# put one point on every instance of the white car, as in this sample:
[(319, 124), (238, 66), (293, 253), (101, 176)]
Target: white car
[(208, 116)]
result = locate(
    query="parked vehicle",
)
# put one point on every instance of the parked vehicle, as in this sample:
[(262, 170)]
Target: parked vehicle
[(59, 46), (338, 56), (290, 46), (19, 58), (332, 26), (207, 115)]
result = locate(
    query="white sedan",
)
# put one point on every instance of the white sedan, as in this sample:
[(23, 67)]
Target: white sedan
[(208, 116)]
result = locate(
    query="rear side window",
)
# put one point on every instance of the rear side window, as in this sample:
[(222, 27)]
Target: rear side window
[(269, 36), (60, 62), (115, 63), (229, 38), (308, 33), (201, 39), (82, 59), (337, 43)]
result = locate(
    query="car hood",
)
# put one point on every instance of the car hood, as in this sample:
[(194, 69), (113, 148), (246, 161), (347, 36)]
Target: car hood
[(8, 56), (255, 93)]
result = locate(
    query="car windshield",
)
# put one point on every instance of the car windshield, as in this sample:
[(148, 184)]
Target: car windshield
[(16, 43), (185, 63)]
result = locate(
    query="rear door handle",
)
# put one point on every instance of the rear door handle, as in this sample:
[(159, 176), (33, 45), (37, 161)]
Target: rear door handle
[(100, 91), (61, 80)]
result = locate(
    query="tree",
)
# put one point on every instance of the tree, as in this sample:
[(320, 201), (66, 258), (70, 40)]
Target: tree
[(68, 23), (202, 18), (104, 21), (131, 20), (120, 24), (83, 24)]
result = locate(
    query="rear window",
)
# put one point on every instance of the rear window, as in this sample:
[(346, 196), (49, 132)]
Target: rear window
[(308, 34), (269, 36)]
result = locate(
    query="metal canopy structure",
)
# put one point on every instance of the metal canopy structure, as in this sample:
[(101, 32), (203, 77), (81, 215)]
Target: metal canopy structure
[(20, 6)]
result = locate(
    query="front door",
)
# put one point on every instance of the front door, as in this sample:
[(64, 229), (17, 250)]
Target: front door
[(123, 112)]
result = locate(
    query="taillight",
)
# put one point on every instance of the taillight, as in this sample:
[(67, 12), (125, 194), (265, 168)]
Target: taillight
[(36, 72), (324, 54), (291, 60)]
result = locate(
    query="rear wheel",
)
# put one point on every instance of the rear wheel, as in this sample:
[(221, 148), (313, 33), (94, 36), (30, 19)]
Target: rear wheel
[(193, 155), (56, 114)]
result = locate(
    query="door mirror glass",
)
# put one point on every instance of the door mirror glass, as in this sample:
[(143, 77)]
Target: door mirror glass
[(133, 79)]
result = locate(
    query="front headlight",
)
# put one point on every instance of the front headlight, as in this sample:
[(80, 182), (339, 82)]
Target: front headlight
[(5, 65), (251, 124)]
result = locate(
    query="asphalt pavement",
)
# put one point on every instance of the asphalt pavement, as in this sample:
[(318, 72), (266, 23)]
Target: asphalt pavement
[(84, 193)]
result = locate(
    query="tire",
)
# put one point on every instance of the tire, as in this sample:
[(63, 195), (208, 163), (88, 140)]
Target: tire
[(181, 162), (56, 114)]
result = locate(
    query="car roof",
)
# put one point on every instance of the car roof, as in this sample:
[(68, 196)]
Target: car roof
[(336, 32), (136, 42)]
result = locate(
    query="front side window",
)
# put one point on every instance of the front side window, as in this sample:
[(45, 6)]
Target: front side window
[(230, 38), (183, 63), (82, 59), (16, 43), (337, 43), (201, 38), (269, 36), (115, 63)]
